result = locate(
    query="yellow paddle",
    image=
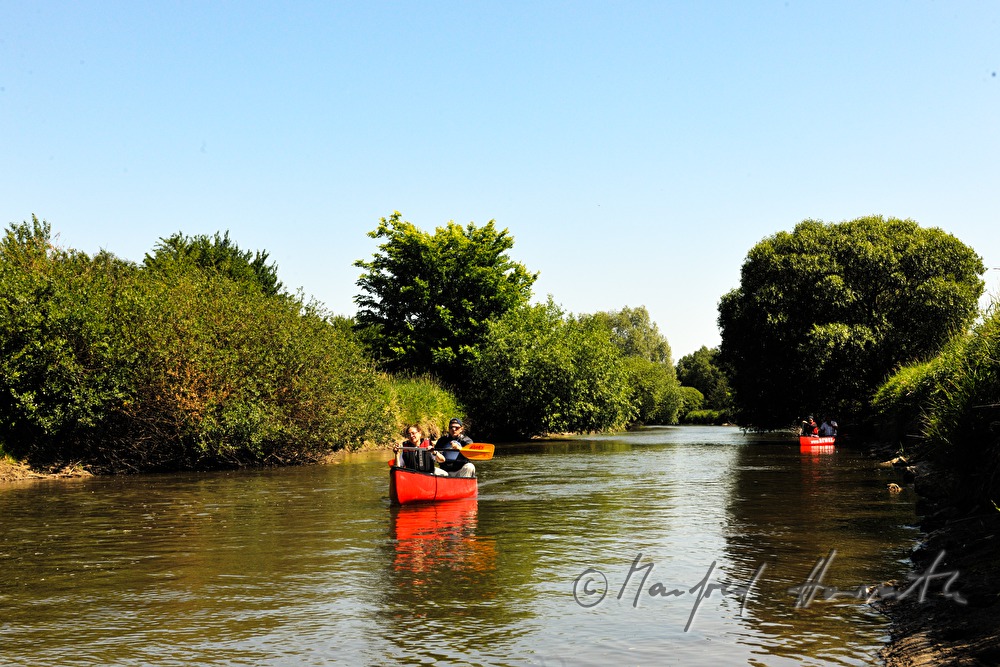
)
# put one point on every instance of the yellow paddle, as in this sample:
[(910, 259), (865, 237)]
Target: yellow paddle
[(478, 451), (474, 451)]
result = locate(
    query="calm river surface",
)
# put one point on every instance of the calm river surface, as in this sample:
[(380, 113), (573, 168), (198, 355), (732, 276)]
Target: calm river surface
[(311, 566)]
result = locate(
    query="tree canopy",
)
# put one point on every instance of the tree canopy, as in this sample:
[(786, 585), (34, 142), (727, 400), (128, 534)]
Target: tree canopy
[(649, 367), (824, 313), (542, 371), (427, 298), (635, 334), (701, 370), (220, 254)]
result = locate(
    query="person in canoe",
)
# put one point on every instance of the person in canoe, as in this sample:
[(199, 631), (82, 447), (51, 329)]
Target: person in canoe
[(808, 427), (453, 463), (417, 460), (828, 428)]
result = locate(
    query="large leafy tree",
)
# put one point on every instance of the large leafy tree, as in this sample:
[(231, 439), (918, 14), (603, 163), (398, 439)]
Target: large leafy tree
[(824, 313), (426, 299), (635, 334)]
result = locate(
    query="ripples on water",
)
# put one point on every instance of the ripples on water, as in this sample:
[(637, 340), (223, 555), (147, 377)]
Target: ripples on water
[(312, 566)]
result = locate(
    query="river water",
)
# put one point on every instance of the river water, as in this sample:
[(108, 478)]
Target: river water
[(669, 545)]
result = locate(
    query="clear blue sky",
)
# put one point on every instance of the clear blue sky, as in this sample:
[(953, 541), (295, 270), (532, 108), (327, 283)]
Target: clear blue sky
[(635, 150)]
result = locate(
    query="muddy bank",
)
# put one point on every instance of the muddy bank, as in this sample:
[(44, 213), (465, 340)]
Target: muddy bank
[(955, 620)]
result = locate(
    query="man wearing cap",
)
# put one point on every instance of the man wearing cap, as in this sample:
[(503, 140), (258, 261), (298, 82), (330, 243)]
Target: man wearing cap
[(454, 465)]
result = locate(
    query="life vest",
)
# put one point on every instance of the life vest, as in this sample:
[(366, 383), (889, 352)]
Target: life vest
[(421, 461)]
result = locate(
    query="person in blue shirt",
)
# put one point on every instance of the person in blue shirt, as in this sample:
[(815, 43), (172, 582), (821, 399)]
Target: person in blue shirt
[(451, 462)]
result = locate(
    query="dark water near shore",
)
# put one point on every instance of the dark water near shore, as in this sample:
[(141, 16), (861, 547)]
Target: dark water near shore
[(311, 566)]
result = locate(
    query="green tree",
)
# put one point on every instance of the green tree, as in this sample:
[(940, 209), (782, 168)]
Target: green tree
[(823, 314), (652, 377), (540, 371), (701, 370), (691, 399), (635, 334), (218, 253), (426, 299)]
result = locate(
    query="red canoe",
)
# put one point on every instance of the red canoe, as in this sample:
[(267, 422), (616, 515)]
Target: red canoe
[(813, 441), (408, 486)]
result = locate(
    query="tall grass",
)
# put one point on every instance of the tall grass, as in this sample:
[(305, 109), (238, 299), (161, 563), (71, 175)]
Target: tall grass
[(952, 404), (422, 401)]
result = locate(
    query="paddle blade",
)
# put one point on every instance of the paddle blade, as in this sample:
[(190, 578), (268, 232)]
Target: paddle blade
[(478, 451)]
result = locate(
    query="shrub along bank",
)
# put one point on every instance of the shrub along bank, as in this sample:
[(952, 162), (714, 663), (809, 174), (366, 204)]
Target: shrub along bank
[(178, 365), (946, 412), (945, 415)]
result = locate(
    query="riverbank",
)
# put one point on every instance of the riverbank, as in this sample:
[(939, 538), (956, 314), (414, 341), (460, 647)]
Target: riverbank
[(12, 471), (955, 622)]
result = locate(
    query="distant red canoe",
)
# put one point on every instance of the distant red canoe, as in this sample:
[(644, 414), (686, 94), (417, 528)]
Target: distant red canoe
[(811, 441), (408, 486)]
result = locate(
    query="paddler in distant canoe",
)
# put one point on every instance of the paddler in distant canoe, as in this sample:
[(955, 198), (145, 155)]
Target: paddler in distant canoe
[(452, 462)]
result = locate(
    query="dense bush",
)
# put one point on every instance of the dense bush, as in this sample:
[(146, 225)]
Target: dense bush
[(63, 369), (172, 366), (691, 399), (216, 253), (706, 417), (236, 377), (951, 407), (539, 371)]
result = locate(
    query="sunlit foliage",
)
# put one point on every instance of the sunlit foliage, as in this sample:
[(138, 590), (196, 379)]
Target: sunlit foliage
[(216, 253), (426, 299), (702, 370), (176, 365), (540, 371)]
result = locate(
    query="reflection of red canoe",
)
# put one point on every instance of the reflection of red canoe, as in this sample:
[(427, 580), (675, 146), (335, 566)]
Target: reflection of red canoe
[(813, 441), (407, 486), (439, 540)]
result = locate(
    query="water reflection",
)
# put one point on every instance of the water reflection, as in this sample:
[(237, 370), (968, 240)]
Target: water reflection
[(430, 537), (788, 509)]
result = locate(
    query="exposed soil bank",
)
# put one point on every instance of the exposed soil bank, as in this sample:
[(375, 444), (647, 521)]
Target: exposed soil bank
[(15, 472), (944, 628)]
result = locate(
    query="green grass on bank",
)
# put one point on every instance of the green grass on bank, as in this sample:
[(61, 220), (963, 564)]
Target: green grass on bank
[(947, 409)]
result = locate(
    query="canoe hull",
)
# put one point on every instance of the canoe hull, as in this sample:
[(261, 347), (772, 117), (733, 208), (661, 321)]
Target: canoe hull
[(408, 486), (809, 442)]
